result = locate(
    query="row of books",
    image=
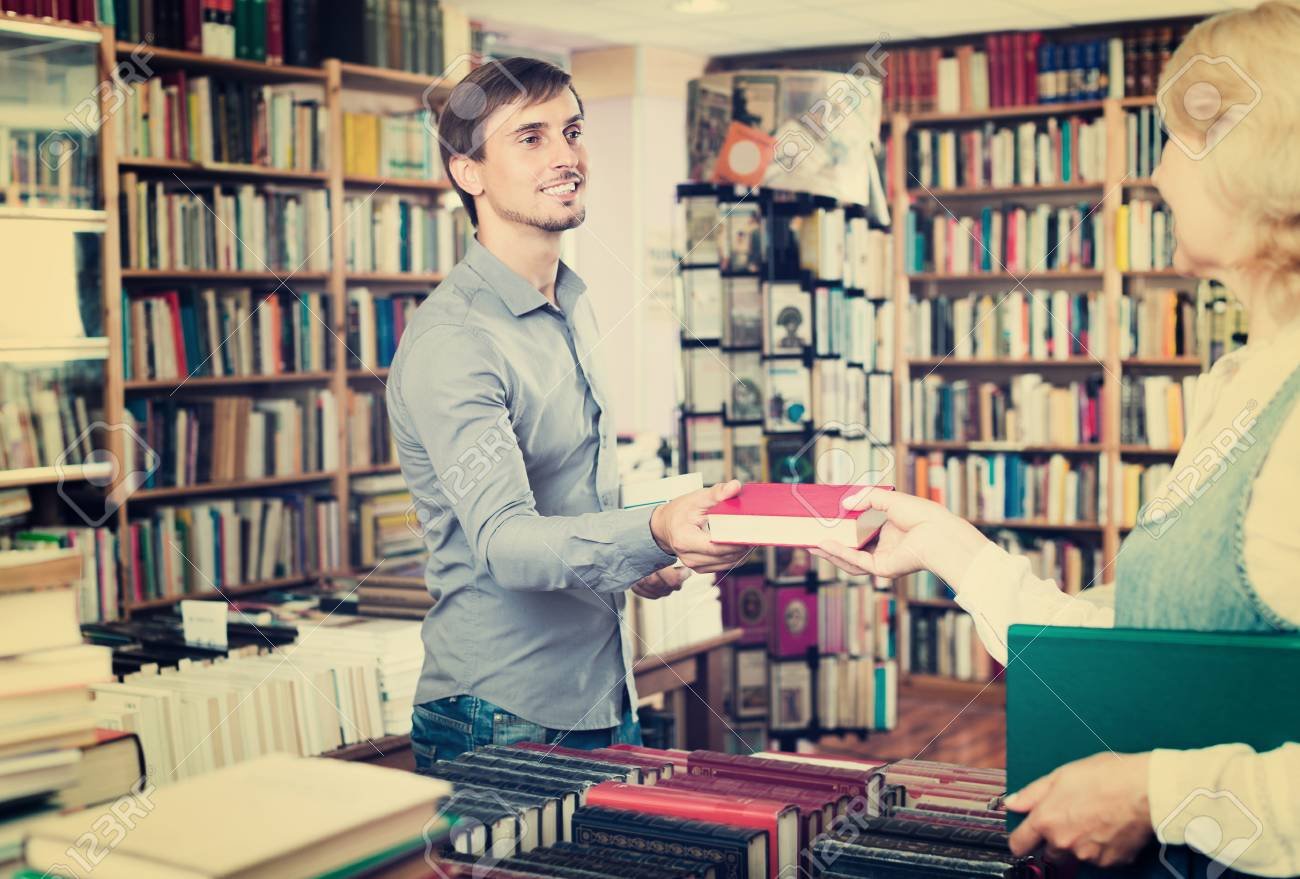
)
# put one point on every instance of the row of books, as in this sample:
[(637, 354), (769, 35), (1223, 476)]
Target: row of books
[(46, 673), (825, 243), (1140, 483), (198, 547), (943, 642), (1072, 564), (97, 586), (1002, 487), (389, 233), (1012, 239), (1036, 153), (421, 37), (688, 616), (206, 120), (853, 692), (1158, 323), (45, 419), (1026, 67), (370, 438), (219, 439), (1023, 410), (397, 145), (1144, 236), (224, 228), (1155, 409), (1144, 140), (227, 331), (1031, 325), (383, 520), (792, 621), (375, 325), (48, 168)]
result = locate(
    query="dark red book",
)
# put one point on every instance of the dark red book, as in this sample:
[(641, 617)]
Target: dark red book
[(274, 32), (1016, 62), (192, 25), (782, 514), (746, 605), (866, 784), (1030, 65), (779, 820)]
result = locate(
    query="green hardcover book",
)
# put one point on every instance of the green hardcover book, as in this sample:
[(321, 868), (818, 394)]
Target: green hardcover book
[(1075, 692), (257, 30)]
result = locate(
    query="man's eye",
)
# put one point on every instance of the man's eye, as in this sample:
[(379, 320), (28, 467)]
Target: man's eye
[(575, 134), (532, 138)]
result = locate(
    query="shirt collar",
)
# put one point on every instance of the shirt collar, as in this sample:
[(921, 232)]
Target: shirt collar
[(520, 296)]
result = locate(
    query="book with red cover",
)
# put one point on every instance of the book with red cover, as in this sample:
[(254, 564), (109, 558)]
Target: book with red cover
[(675, 756), (794, 622), (866, 783), (785, 514), (779, 820), (746, 605)]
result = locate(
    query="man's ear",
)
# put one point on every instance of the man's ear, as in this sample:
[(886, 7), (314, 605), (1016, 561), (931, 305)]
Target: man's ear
[(465, 171)]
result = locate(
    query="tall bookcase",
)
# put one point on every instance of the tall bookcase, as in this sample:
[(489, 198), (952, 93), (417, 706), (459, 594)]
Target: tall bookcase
[(1115, 189)]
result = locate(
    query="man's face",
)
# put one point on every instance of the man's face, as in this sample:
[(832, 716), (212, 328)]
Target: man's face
[(534, 168)]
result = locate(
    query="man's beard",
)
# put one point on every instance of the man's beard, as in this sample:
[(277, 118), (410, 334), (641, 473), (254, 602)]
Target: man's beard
[(546, 224)]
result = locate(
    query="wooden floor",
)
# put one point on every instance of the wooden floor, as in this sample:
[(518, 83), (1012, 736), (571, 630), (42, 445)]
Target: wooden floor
[(946, 731)]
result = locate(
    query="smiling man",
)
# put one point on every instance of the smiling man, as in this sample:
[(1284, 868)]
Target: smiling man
[(504, 431)]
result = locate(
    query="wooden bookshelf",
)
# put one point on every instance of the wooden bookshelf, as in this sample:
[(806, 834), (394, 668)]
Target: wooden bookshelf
[(995, 446), (237, 485), (228, 591), (1028, 111), (991, 363), (400, 183), (233, 68), (1008, 277), (413, 278), (206, 276), (362, 77), (225, 381), (28, 476), (235, 171), (984, 192)]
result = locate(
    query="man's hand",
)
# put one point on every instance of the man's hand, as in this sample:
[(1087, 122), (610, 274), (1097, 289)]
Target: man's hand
[(1093, 810), (681, 529), (661, 583)]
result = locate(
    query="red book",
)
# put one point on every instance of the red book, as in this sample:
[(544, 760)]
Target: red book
[(274, 32), (1030, 65), (675, 756), (1015, 61), (866, 783), (779, 820), (746, 605), (794, 622), (784, 514), (192, 24)]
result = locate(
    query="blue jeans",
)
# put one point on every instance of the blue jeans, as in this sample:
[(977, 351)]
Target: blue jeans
[(446, 728)]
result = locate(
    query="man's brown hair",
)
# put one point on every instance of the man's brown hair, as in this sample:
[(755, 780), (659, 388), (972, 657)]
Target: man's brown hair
[(485, 90)]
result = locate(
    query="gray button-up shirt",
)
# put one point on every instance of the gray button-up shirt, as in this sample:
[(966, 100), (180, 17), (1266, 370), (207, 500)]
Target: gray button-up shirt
[(505, 437)]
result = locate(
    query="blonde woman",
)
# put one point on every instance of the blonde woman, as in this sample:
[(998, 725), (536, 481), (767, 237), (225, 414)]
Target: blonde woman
[(1230, 559)]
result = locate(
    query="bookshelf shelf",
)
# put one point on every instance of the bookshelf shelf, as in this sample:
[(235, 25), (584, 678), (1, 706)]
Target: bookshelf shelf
[(978, 446), (179, 166), (380, 374), (1161, 274), (361, 181), (52, 475), (1009, 277), (1139, 183), (198, 63), (81, 215), (224, 381), (1036, 525), (946, 603), (178, 491), (204, 276), (394, 278), (375, 469), (1148, 451), (1162, 363), (952, 689), (241, 589), (1027, 365), (1013, 191), (1022, 112), (1138, 101), (363, 77)]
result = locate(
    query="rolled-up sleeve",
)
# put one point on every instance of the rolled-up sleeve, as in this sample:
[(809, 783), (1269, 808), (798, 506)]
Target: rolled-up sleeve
[(462, 417)]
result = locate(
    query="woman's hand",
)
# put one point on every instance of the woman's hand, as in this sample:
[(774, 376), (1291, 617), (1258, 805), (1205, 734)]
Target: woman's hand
[(661, 583), (1093, 810), (918, 535)]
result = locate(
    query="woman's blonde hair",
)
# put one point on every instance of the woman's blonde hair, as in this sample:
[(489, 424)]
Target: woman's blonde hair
[(1230, 96)]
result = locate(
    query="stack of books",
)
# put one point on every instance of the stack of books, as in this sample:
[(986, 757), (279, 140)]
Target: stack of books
[(200, 547), (385, 522), (1023, 410), (370, 439), (397, 145), (1043, 237), (1144, 236), (97, 587), (1018, 325), (391, 233), (45, 675), (375, 325), (993, 488), (227, 331), (248, 228), (1066, 150), (943, 642), (205, 120)]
